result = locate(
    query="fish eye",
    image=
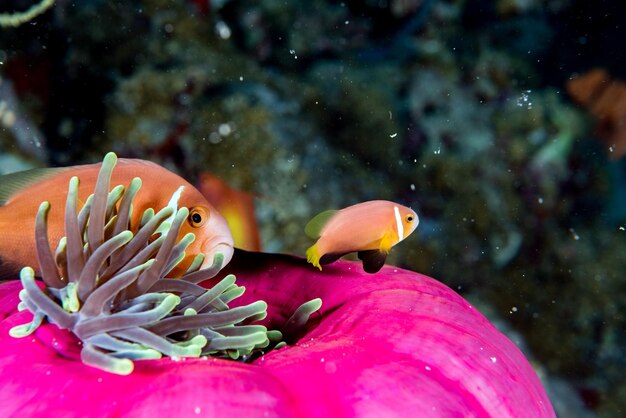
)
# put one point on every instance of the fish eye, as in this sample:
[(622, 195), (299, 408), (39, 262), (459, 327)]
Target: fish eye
[(409, 218), (197, 217)]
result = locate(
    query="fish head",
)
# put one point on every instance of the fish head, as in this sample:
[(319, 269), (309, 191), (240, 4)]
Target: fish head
[(406, 221), (213, 236)]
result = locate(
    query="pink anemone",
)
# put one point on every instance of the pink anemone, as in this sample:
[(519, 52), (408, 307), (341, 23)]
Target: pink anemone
[(396, 343)]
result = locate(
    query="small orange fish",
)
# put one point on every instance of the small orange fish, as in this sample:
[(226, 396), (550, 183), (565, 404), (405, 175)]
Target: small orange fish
[(236, 206), (369, 229), (22, 192)]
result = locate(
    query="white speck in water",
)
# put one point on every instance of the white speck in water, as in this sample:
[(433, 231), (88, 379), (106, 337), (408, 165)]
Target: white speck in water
[(215, 138), (574, 234), (412, 187), (540, 200), (393, 135), (427, 368), (240, 78), (513, 309), (493, 359), (175, 358), (197, 410), (437, 151), (293, 52), (611, 149), (524, 100), (621, 228), (225, 129), (99, 380), (346, 22), (222, 30), (322, 359), (47, 372)]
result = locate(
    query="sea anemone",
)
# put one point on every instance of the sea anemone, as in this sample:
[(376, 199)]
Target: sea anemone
[(396, 343), (110, 286)]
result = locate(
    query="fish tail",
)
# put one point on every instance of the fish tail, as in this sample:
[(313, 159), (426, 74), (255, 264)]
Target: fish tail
[(313, 256)]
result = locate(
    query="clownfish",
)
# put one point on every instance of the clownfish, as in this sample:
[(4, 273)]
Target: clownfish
[(22, 192), (370, 229), (236, 206)]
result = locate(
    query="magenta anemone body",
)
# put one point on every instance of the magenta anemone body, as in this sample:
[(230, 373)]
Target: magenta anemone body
[(396, 343)]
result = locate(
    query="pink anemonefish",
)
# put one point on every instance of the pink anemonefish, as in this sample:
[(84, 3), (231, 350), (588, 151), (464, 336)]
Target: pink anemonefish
[(369, 229), (21, 193)]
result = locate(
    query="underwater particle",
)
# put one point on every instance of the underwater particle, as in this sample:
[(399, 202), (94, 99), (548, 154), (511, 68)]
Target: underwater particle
[(493, 359), (621, 228), (574, 234), (393, 135), (524, 100), (215, 138), (222, 29), (513, 310), (225, 129), (293, 52), (412, 187)]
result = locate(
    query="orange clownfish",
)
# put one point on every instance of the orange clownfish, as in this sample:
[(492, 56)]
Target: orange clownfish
[(236, 206), (22, 192), (369, 229)]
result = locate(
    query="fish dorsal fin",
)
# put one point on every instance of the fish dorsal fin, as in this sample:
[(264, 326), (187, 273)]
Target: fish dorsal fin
[(314, 228), (13, 183)]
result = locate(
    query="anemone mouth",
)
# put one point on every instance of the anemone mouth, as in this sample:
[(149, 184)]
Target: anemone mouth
[(111, 287)]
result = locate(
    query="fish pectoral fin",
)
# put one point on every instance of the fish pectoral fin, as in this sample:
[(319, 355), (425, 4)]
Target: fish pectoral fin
[(373, 260), (313, 228)]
